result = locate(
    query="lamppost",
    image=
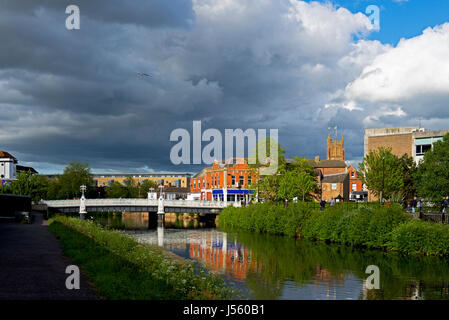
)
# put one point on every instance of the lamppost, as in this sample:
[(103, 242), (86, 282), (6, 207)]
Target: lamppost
[(160, 207), (151, 194), (383, 179), (83, 203)]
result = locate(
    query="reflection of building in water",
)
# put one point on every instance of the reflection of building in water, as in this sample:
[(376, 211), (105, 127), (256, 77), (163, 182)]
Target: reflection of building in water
[(220, 256), (135, 220), (322, 275)]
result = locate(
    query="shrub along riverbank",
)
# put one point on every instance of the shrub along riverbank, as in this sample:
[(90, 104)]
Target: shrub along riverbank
[(386, 227), (122, 268)]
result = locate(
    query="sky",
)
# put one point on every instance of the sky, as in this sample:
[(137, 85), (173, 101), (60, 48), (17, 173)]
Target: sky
[(296, 66)]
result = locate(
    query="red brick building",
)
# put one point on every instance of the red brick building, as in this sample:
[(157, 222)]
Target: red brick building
[(224, 181)]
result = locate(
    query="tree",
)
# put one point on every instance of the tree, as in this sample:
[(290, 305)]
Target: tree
[(408, 175), (75, 175), (382, 170), (115, 190), (432, 175), (28, 184), (298, 180), (144, 187), (268, 187), (267, 162)]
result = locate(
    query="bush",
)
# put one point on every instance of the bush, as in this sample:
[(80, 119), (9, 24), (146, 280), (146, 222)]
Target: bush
[(266, 218), (374, 226), (417, 236)]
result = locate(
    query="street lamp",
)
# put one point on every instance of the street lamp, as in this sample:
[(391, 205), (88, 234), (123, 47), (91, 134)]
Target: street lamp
[(83, 203), (162, 190), (383, 178)]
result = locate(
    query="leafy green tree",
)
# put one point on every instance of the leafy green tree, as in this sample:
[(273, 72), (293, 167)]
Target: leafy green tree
[(381, 169), (75, 175), (270, 164), (432, 176), (298, 180), (116, 190), (268, 187), (409, 169), (145, 186), (28, 184)]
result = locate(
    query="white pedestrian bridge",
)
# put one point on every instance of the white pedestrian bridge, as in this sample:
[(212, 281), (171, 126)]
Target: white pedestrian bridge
[(139, 205)]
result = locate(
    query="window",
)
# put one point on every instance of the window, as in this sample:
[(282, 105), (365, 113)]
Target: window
[(232, 180), (353, 174), (249, 180), (421, 149), (354, 187), (241, 181), (194, 184), (218, 181), (334, 186)]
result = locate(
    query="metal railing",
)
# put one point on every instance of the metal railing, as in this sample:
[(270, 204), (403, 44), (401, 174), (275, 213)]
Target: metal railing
[(141, 202)]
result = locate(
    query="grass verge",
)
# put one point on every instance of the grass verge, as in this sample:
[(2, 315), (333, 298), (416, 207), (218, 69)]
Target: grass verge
[(122, 268)]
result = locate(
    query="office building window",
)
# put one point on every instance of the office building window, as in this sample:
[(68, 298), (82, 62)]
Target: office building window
[(421, 149)]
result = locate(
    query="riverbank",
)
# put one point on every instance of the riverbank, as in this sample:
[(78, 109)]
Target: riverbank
[(122, 268), (383, 227)]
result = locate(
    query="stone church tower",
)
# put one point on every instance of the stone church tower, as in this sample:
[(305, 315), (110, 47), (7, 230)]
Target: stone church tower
[(335, 149)]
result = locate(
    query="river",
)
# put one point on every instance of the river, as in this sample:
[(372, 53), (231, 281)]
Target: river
[(277, 267)]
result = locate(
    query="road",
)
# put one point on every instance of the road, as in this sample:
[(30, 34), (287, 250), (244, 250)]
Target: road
[(32, 266)]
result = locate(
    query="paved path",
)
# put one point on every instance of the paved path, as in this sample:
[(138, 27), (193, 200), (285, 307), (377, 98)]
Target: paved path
[(32, 265)]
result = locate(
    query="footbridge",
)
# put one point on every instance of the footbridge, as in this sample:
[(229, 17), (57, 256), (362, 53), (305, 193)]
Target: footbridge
[(139, 205)]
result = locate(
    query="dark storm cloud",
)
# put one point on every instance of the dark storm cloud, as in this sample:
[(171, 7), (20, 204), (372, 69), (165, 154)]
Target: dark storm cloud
[(77, 95), (154, 13)]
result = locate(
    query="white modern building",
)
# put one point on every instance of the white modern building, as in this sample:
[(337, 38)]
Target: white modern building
[(7, 166), (414, 141)]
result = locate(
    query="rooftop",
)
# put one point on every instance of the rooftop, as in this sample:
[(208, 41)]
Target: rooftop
[(335, 178), (4, 154)]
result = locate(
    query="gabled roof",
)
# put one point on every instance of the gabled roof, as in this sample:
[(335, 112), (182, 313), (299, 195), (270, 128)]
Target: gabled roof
[(26, 169), (335, 178), (4, 154)]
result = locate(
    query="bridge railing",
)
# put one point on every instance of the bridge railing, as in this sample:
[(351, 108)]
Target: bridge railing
[(141, 202)]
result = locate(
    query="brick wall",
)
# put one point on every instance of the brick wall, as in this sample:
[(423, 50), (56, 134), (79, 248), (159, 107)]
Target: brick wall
[(400, 143)]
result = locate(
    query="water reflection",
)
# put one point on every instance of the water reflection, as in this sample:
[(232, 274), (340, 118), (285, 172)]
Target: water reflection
[(272, 267)]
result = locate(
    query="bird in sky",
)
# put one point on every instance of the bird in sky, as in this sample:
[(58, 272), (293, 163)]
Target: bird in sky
[(141, 74)]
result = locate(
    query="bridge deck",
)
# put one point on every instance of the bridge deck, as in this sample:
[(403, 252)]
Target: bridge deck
[(140, 205)]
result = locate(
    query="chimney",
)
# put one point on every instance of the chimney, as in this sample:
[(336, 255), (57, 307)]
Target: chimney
[(317, 158)]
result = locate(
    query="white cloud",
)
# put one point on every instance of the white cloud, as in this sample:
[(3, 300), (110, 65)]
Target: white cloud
[(414, 74)]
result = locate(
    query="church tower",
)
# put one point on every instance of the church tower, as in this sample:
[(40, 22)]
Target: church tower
[(335, 149)]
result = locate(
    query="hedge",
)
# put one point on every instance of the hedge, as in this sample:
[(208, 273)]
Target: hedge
[(386, 227)]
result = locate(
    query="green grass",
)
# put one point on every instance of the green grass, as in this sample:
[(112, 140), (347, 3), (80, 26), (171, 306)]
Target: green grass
[(122, 268), (384, 227)]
